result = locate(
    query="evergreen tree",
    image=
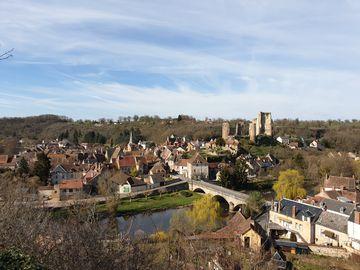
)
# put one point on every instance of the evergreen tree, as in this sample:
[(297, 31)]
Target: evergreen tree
[(23, 167), (240, 174), (235, 177), (42, 168)]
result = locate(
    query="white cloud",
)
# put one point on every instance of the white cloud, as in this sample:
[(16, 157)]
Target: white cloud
[(228, 59)]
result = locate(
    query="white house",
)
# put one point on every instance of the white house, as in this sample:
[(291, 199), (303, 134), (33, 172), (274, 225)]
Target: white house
[(181, 167), (353, 229), (123, 183), (316, 144), (197, 168), (283, 140)]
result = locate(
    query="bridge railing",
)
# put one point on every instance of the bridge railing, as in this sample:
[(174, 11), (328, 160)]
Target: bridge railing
[(218, 189)]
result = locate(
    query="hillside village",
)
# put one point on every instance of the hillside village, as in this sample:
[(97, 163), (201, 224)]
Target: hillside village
[(326, 222)]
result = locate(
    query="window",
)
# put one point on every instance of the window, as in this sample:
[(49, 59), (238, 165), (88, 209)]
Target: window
[(286, 224), (247, 242), (70, 190)]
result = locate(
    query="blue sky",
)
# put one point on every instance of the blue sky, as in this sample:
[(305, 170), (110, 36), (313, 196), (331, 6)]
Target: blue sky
[(229, 59)]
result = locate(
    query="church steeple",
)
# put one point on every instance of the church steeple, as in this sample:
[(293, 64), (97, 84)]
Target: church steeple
[(131, 138)]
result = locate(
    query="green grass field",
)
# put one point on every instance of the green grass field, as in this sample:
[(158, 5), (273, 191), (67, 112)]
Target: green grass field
[(153, 203)]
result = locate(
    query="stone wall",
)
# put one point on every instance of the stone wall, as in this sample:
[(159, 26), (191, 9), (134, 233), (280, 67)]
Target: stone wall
[(330, 251)]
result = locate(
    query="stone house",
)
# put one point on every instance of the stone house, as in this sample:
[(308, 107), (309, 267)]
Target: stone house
[(197, 168), (62, 172), (127, 163), (158, 169), (294, 221), (181, 167), (247, 231), (331, 229), (121, 183), (339, 183), (69, 189), (337, 187)]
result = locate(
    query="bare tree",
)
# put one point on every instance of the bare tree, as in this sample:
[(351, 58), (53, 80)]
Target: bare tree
[(6, 54)]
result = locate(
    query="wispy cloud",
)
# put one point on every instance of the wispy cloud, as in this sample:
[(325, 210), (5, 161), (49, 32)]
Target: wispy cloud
[(227, 59)]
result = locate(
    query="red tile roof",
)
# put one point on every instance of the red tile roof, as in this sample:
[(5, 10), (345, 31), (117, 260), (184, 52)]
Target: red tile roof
[(71, 183), (340, 182), (182, 162), (127, 161), (197, 159)]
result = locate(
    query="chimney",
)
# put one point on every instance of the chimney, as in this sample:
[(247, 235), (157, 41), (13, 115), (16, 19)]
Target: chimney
[(357, 217), (279, 206), (293, 211)]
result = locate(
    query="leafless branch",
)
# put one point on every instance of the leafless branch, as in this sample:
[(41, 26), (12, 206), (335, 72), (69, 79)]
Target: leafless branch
[(6, 54)]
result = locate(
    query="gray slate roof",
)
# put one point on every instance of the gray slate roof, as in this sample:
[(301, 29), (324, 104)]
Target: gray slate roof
[(302, 209), (338, 206), (333, 221)]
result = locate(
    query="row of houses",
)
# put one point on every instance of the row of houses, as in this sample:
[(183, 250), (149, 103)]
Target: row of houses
[(295, 143), (330, 218), (328, 222), (315, 224)]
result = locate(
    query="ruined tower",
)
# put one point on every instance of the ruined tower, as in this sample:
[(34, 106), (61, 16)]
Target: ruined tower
[(238, 128), (268, 124), (264, 124), (252, 130), (225, 130)]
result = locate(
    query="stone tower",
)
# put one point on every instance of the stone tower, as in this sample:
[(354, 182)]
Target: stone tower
[(225, 130), (268, 124), (252, 130), (238, 128), (264, 124)]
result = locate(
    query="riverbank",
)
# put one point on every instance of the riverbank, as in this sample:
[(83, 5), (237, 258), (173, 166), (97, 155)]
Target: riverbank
[(127, 206), (153, 203)]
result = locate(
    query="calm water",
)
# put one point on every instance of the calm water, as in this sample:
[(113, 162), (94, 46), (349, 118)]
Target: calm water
[(147, 223)]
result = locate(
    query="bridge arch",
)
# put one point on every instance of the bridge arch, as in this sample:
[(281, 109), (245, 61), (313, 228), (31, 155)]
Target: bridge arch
[(199, 190), (224, 204)]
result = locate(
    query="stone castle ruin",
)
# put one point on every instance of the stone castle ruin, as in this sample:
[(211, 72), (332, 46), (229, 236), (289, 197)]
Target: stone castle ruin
[(226, 129), (262, 125)]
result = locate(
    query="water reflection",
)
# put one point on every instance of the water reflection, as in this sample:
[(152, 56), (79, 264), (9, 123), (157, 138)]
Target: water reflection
[(149, 223), (146, 223)]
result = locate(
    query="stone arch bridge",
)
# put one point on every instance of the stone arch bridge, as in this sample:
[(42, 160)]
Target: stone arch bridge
[(234, 199)]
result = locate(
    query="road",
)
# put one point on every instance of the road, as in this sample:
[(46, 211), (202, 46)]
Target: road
[(99, 199)]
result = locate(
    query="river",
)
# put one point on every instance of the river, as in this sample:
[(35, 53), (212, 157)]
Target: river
[(149, 223)]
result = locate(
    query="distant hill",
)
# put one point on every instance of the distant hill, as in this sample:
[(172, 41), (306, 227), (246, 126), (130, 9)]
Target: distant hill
[(336, 134)]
